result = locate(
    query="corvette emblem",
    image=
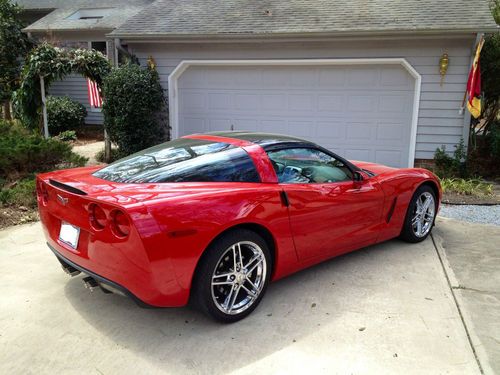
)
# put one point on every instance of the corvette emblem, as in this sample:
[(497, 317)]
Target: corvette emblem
[(62, 200)]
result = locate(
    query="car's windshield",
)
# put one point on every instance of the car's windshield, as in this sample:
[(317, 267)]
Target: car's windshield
[(183, 160)]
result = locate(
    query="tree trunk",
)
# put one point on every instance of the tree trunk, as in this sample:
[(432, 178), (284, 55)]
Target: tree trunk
[(6, 111), (107, 147)]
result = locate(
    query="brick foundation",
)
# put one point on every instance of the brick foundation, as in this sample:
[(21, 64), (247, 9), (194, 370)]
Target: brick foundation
[(424, 163)]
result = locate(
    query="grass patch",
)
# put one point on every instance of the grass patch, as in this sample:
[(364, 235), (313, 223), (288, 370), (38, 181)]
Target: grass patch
[(469, 186), (19, 193)]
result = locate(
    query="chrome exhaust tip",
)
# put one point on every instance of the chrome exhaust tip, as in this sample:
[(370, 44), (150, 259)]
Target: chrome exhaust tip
[(70, 270), (90, 283)]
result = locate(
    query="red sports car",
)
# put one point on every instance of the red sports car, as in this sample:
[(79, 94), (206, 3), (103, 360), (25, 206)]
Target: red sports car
[(213, 218)]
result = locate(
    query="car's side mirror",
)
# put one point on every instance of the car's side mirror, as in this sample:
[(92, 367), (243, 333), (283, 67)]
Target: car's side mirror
[(359, 177)]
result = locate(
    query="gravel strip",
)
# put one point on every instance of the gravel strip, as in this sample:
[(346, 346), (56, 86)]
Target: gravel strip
[(472, 214)]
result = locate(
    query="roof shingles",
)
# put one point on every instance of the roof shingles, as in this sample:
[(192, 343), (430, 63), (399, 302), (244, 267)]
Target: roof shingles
[(253, 17), (57, 20)]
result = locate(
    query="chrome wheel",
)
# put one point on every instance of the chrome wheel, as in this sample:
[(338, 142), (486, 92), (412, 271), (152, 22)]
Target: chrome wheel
[(423, 215), (239, 277)]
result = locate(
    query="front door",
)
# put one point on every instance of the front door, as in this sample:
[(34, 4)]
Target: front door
[(329, 213)]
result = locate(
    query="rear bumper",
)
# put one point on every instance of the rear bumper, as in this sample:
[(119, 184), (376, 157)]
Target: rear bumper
[(100, 279)]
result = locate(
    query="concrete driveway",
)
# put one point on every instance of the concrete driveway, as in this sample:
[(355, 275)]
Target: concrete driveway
[(384, 309)]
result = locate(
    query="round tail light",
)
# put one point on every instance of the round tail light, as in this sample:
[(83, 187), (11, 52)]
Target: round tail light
[(120, 224), (97, 217)]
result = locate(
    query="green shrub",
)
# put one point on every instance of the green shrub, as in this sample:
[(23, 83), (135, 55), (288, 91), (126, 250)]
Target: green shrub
[(19, 193), (64, 113), (451, 166), (494, 141), (134, 109), (472, 186), (115, 155), (23, 153), (12, 128), (67, 136)]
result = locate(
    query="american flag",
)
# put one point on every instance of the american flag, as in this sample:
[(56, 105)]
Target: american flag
[(94, 95)]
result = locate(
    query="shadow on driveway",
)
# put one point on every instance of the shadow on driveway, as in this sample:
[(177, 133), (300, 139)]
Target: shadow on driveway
[(381, 308)]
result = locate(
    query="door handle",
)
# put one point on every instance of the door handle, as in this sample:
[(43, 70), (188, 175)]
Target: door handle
[(284, 198)]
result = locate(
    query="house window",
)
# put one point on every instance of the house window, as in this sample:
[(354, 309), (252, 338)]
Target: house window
[(90, 14), (99, 46)]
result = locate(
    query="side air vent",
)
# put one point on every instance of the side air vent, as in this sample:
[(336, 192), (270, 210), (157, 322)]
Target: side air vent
[(67, 188), (391, 210)]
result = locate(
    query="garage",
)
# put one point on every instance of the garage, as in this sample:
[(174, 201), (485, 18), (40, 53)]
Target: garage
[(363, 110)]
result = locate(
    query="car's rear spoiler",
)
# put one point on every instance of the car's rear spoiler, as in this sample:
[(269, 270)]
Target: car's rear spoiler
[(67, 188)]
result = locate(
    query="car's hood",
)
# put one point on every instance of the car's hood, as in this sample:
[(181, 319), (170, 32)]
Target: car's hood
[(372, 167)]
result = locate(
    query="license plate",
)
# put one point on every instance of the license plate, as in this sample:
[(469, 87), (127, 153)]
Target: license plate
[(69, 234)]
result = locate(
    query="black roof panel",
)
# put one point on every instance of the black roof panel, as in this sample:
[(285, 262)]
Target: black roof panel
[(263, 139)]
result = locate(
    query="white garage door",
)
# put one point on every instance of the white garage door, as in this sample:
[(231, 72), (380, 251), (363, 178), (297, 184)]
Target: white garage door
[(360, 112)]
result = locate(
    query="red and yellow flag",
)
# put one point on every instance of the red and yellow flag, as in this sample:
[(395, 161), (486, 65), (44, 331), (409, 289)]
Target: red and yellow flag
[(474, 84)]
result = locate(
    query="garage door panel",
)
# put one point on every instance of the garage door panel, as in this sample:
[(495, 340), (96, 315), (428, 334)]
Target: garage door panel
[(395, 77), (392, 158), (194, 80), (249, 78), (301, 103), (219, 124), (301, 128), (217, 78), (246, 124), (275, 78), (281, 126), (361, 103), (247, 102), (274, 102), (192, 101), (330, 130), (330, 103), (193, 125), (394, 104), (358, 154), (360, 131), (220, 101), (363, 76), (364, 111), (395, 132), (332, 77)]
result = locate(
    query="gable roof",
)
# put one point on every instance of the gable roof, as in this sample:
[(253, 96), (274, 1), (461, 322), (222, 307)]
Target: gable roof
[(118, 11), (225, 18)]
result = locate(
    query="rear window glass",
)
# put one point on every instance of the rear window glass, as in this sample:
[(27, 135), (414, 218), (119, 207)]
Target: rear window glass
[(183, 160)]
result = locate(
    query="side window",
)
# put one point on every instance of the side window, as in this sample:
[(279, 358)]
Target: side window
[(183, 160), (307, 165)]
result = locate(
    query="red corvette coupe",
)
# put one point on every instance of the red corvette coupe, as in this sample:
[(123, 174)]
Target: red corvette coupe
[(213, 218)]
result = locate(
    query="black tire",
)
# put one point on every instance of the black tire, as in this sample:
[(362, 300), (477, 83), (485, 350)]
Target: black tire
[(217, 257), (409, 233)]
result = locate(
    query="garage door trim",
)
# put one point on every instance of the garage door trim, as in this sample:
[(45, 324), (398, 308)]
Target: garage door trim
[(173, 79)]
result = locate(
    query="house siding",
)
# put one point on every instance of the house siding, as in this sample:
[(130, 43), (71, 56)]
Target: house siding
[(439, 121), (75, 86)]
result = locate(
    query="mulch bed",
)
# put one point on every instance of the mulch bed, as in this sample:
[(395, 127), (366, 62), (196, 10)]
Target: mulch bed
[(17, 215), (453, 198), (486, 200)]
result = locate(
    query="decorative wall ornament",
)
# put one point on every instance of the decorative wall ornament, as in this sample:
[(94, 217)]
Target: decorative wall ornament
[(444, 61)]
